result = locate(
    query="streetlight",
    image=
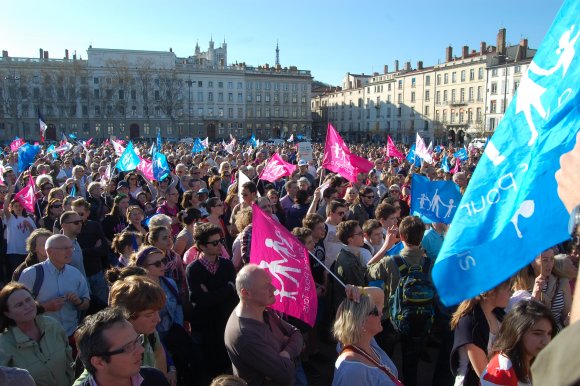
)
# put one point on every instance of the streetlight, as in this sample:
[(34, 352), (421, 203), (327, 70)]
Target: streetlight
[(189, 83)]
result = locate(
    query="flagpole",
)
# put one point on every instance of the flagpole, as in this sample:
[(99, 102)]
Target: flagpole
[(328, 270)]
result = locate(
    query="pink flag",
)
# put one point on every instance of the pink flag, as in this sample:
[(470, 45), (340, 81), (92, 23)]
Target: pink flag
[(16, 144), (146, 166), (275, 249), (339, 159), (277, 168), (26, 196), (456, 167), (392, 150), (89, 141), (421, 150)]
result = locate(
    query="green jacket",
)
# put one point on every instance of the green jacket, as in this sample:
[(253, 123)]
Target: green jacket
[(48, 361)]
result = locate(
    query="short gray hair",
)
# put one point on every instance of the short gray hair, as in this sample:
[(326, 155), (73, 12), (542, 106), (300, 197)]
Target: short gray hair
[(55, 241), (245, 276), (160, 220)]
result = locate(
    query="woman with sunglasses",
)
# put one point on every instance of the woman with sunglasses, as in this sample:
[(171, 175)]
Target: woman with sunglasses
[(211, 282), (215, 209), (361, 361), (31, 341), (52, 212)]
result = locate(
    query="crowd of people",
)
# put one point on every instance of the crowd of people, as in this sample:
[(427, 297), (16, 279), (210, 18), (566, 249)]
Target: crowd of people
[(114, 278)]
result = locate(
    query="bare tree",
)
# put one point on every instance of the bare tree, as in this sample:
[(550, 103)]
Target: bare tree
[(170, 99), (145, 77)]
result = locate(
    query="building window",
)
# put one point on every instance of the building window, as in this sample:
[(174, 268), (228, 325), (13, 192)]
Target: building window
[(400, 98), (470, 94), (493, 88), (210, 83), (230, 85), (470, 116), (480, 73), (460, 116), (400, 84), (463, 75), (240, 86), (230, 97), (200, 96), (95, 80), (472, 74), (453, 96), (210, 96), (428, 80), (220, 84), (452, 116), (230, 112), (479, 94), (445, 78), (444, 96), (199, 83), (491, 124), (438, 97), (413, 83), (240, 97), (249, 97), (200, 112), (492, 107), (221, 96), (462, 95), (413, 96), (427, 111), (453, 77), (96, 94)]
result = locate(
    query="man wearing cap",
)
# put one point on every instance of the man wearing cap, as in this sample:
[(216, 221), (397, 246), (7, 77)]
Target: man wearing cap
[(303, 172)]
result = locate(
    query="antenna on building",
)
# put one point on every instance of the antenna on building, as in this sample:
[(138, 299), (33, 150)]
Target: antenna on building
[(277, 54)]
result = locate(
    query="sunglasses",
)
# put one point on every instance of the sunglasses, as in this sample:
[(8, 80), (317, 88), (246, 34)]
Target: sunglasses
[(128, 348), (374, 312), (159, 263), (215, 243)]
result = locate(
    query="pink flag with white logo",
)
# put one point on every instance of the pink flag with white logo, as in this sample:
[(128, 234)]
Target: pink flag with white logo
[(27, 197), (276, 250), (392, 150), (146, 166), (277, 168), (339, 159), (16, 144)]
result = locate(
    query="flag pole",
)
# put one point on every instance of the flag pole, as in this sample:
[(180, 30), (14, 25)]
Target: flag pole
[(328, 270)]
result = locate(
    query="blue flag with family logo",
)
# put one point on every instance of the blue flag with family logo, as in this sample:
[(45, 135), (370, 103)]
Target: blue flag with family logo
[(412, 158), (197, 146), (160, 166), (437, 201), (511, 210), (129, 160), (461, 154)]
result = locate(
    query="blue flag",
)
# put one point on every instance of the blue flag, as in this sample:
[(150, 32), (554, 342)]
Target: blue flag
[(461, 154), (72, 136), (412, 158), (435, 200), (511, 210), (73, 191), (395, 249), (160, 166), (252, 141), (129, 160), (26, 155), (197, 146), (445, 164), (158, 142), (437, 149)]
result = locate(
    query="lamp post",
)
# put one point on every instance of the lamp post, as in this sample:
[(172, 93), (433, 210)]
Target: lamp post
[(189, 83)]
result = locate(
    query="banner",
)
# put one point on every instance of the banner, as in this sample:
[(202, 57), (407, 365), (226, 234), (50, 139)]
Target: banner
[(339, 159), (305, 151), (511, 210), (392, 150), (435, 200), (276, 250), (276, 169)]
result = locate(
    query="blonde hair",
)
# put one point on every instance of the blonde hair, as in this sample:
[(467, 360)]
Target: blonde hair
[(137, 294), (350, 318)]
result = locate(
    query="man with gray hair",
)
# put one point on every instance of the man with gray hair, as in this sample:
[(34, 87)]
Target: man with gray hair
[(58, 286), (263, 348)]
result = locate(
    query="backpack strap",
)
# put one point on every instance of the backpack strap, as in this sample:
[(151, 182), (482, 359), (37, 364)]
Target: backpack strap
[(401, 264), (39, 272)]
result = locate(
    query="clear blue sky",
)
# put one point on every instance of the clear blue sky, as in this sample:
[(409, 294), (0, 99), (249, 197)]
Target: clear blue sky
[(329, 38)]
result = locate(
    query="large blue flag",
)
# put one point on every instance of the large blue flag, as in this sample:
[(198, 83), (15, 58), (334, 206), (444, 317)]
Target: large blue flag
[(435, 200), (160, 166), (412, 158), (197, 146), (253, 141), (129, 160), (511, 210), (26, 155), (158, 142)]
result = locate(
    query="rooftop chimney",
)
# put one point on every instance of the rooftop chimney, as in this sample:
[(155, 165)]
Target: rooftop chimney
[(45, 54), (501, 42), (522, 49), (386, 69), (449, 54), (407, 66), (465, 52), (66, 54), (482, 48), (41, 54), (4, 53), (420, 65), (396, 65)]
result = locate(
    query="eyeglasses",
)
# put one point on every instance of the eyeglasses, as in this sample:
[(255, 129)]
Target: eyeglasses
[(78, 222), (357, 234), (375, 312), (215, 243), (126, 349), (159, 263)]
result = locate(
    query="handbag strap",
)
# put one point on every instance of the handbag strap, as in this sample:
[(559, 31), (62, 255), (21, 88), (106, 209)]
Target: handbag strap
[(382, 367)]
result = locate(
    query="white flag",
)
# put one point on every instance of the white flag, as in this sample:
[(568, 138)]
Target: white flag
[(421, 150)]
